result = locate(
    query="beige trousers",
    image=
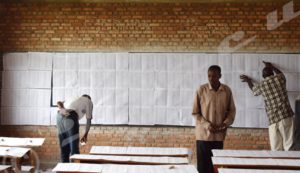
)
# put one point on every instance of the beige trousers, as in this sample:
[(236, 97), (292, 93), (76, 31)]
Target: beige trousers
[(281, 134)]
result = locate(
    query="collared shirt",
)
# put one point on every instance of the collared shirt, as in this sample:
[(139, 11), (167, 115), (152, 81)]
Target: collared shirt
[(213, 107), (81, 105), (273, 90)]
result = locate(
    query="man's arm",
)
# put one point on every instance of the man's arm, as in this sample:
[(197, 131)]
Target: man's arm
[(87, 129), (248, 80), (88, 122), (198, 114)]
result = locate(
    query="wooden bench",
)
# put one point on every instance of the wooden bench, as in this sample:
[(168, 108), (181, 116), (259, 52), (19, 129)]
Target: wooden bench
[(257, 154), (110, 168), (16, 154), (141, 151), (26, 143), (257, 163), (141, 160), (225, 170), (5, 168)]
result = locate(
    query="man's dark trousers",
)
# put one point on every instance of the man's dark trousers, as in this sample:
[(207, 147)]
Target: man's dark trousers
[(204, 154)]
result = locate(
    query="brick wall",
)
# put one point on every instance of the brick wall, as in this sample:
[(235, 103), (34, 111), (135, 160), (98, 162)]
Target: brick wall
[(142, 27), (151, 27)]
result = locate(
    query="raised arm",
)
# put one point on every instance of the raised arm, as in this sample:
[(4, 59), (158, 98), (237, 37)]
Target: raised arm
[(245, 78)]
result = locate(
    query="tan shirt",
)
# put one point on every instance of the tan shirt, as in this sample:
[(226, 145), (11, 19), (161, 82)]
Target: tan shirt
[(213, 107)]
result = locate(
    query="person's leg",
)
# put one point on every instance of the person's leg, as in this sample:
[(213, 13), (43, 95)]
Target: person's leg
[(275, 138), (286, 128), (73, 134), (62, 136), (203, 157), (213, 145)]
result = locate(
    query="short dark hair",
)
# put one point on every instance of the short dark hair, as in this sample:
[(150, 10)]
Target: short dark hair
[(215, 68), (87, 96)]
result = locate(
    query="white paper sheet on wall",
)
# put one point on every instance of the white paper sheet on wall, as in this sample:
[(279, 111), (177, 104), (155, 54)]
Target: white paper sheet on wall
[(59, 61), (40, 61), (130, 87), (15, 61), (15, 79), (122, 61)]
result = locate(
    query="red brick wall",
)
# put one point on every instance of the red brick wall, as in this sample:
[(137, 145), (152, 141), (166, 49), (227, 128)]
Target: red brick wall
[(163, 27), (143, 27)]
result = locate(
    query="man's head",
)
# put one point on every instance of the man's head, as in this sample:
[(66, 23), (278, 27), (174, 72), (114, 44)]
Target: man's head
[(267, 71), (214, 75), (87, 96)]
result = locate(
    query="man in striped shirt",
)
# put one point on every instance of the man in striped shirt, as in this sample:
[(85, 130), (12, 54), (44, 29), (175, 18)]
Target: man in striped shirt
[(278, 108)]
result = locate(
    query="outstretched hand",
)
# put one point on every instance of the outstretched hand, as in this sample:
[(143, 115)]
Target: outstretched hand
[(245, 78)]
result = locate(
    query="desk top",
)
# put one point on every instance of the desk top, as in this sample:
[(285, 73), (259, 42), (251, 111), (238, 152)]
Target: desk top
[(257, 154), (227, 170), (140, 151), (110, 168), (4, 167), (14, 152), (255, 162), (21, 142), (131, 159)]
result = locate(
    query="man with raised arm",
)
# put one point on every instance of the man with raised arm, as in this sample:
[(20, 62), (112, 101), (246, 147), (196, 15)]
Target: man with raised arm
[(277, 105)]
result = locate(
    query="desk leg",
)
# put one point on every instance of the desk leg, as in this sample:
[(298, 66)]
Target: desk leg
[(216, 169), (18, 164), (33, 161)]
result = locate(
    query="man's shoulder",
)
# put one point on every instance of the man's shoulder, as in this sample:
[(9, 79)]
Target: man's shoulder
[(203, 86), (226, 87)]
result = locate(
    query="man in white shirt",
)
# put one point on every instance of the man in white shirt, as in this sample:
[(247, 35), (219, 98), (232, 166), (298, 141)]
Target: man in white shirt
[(68, 125)]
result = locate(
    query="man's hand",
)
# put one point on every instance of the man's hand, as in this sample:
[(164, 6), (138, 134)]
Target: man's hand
[(222, 127), (212, 128), (84, 138), (245, 78)]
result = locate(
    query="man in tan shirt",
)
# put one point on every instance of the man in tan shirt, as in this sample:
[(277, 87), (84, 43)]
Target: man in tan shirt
[(214, 111)]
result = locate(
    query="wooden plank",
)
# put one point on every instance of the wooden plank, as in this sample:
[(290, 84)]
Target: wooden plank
[(257, 154), (140, 151), (5, 168), (255, 163), (13, 152), (21, 142), (144, 160), (111, 168), (227, 170)]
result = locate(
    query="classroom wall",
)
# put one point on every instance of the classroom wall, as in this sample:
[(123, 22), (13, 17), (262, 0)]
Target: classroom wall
[(142, 27)]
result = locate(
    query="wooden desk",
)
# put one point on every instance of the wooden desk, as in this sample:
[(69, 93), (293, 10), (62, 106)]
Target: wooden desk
[(15, 153), (110, 168), (5, 168), (140, 151), (24, 142), (251, 163), (226, 170), (257, 154), (137, 160), (21, 142)]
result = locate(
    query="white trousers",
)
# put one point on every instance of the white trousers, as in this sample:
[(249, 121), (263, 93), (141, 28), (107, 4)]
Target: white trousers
[(281, 134)]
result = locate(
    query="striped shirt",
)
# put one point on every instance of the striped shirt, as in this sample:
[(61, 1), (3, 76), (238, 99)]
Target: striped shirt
[(273, 90)]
